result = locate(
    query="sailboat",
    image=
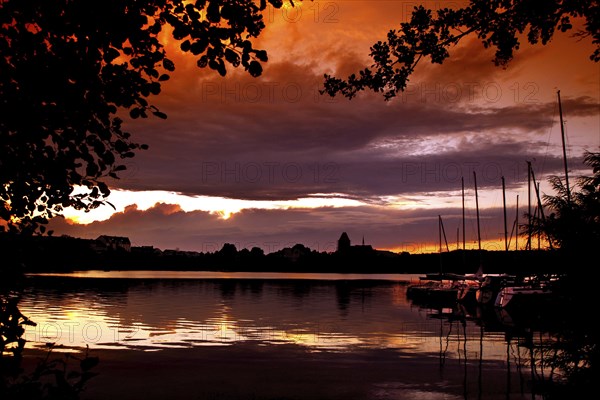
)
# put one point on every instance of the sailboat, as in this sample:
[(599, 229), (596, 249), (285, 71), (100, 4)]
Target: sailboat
[(491, 284), (528, 295), (471, 285), (438, 289), (467, 288), (535, 292), (530, 290), (445, 292)]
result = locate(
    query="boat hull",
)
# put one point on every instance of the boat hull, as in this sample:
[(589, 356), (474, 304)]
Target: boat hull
[(522, 297)]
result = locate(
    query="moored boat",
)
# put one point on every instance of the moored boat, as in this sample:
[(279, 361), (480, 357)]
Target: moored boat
[(491, 286), (532, 292), (522, 296), (433, 293), (467, 291)]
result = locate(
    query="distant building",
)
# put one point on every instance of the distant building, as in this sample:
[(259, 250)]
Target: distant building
[(114, 243), (345, 246), (343, 243)]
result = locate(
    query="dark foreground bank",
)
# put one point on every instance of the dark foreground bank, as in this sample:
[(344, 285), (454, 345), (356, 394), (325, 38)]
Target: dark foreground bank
[(251, 371)]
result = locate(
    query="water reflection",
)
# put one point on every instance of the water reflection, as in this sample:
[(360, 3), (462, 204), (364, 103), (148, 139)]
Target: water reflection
[(547, 350), (113, 313), (471, 346), (148, 314)]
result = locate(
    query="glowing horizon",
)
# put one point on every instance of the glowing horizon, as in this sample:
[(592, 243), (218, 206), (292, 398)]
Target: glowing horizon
[(222, 206)]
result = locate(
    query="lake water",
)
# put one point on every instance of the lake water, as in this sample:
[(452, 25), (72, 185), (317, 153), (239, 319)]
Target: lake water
[(323, 314)]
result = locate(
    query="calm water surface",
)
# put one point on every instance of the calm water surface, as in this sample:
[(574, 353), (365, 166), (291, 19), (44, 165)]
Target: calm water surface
[(153, 311)]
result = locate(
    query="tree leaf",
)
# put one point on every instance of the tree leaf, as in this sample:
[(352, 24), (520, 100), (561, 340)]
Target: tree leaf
[(232, 57), (198, 47), (185, 45), (255, 69), (202, 62), (212, 12), (134, 113), (168, 65), (261, 55), (160, 114)]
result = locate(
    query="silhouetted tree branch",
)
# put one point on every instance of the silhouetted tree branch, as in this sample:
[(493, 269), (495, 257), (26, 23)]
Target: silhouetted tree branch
[(497, 24), (52, 378), (68, 67)]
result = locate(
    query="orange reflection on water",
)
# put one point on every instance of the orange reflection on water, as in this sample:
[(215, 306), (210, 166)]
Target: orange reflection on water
[(174, 311)]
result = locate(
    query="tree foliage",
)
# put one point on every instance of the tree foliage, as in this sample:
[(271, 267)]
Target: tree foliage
[(68, 69), (499, 24), (574, 226)]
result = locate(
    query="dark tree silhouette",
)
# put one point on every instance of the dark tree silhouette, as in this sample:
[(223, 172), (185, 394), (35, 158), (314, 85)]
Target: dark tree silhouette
[(574, 226), (228, 250), (498, 24), (67, 67)]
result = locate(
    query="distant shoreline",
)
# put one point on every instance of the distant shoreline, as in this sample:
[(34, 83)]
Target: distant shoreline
[(149, 274), (66, 254)]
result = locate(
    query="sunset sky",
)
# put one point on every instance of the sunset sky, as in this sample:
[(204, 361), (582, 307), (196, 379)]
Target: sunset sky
[(270, 162)]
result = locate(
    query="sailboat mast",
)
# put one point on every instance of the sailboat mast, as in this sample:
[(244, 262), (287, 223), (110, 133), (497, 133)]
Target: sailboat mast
[(457, 240), (440, 235), (462, 179), (529, 171), (517, 225), (537, 191), (540, 208), (564, 148), (477, 206), (504, 206), (444, 233)]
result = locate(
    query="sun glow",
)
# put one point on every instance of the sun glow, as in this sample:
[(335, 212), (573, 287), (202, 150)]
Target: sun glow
[(486, 245), (73, 315), (225, 208)]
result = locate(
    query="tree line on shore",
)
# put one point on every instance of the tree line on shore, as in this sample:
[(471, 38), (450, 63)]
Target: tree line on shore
[(62, 254)]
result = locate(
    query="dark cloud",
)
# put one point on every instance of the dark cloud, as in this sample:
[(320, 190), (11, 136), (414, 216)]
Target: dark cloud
[(277, 138)]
